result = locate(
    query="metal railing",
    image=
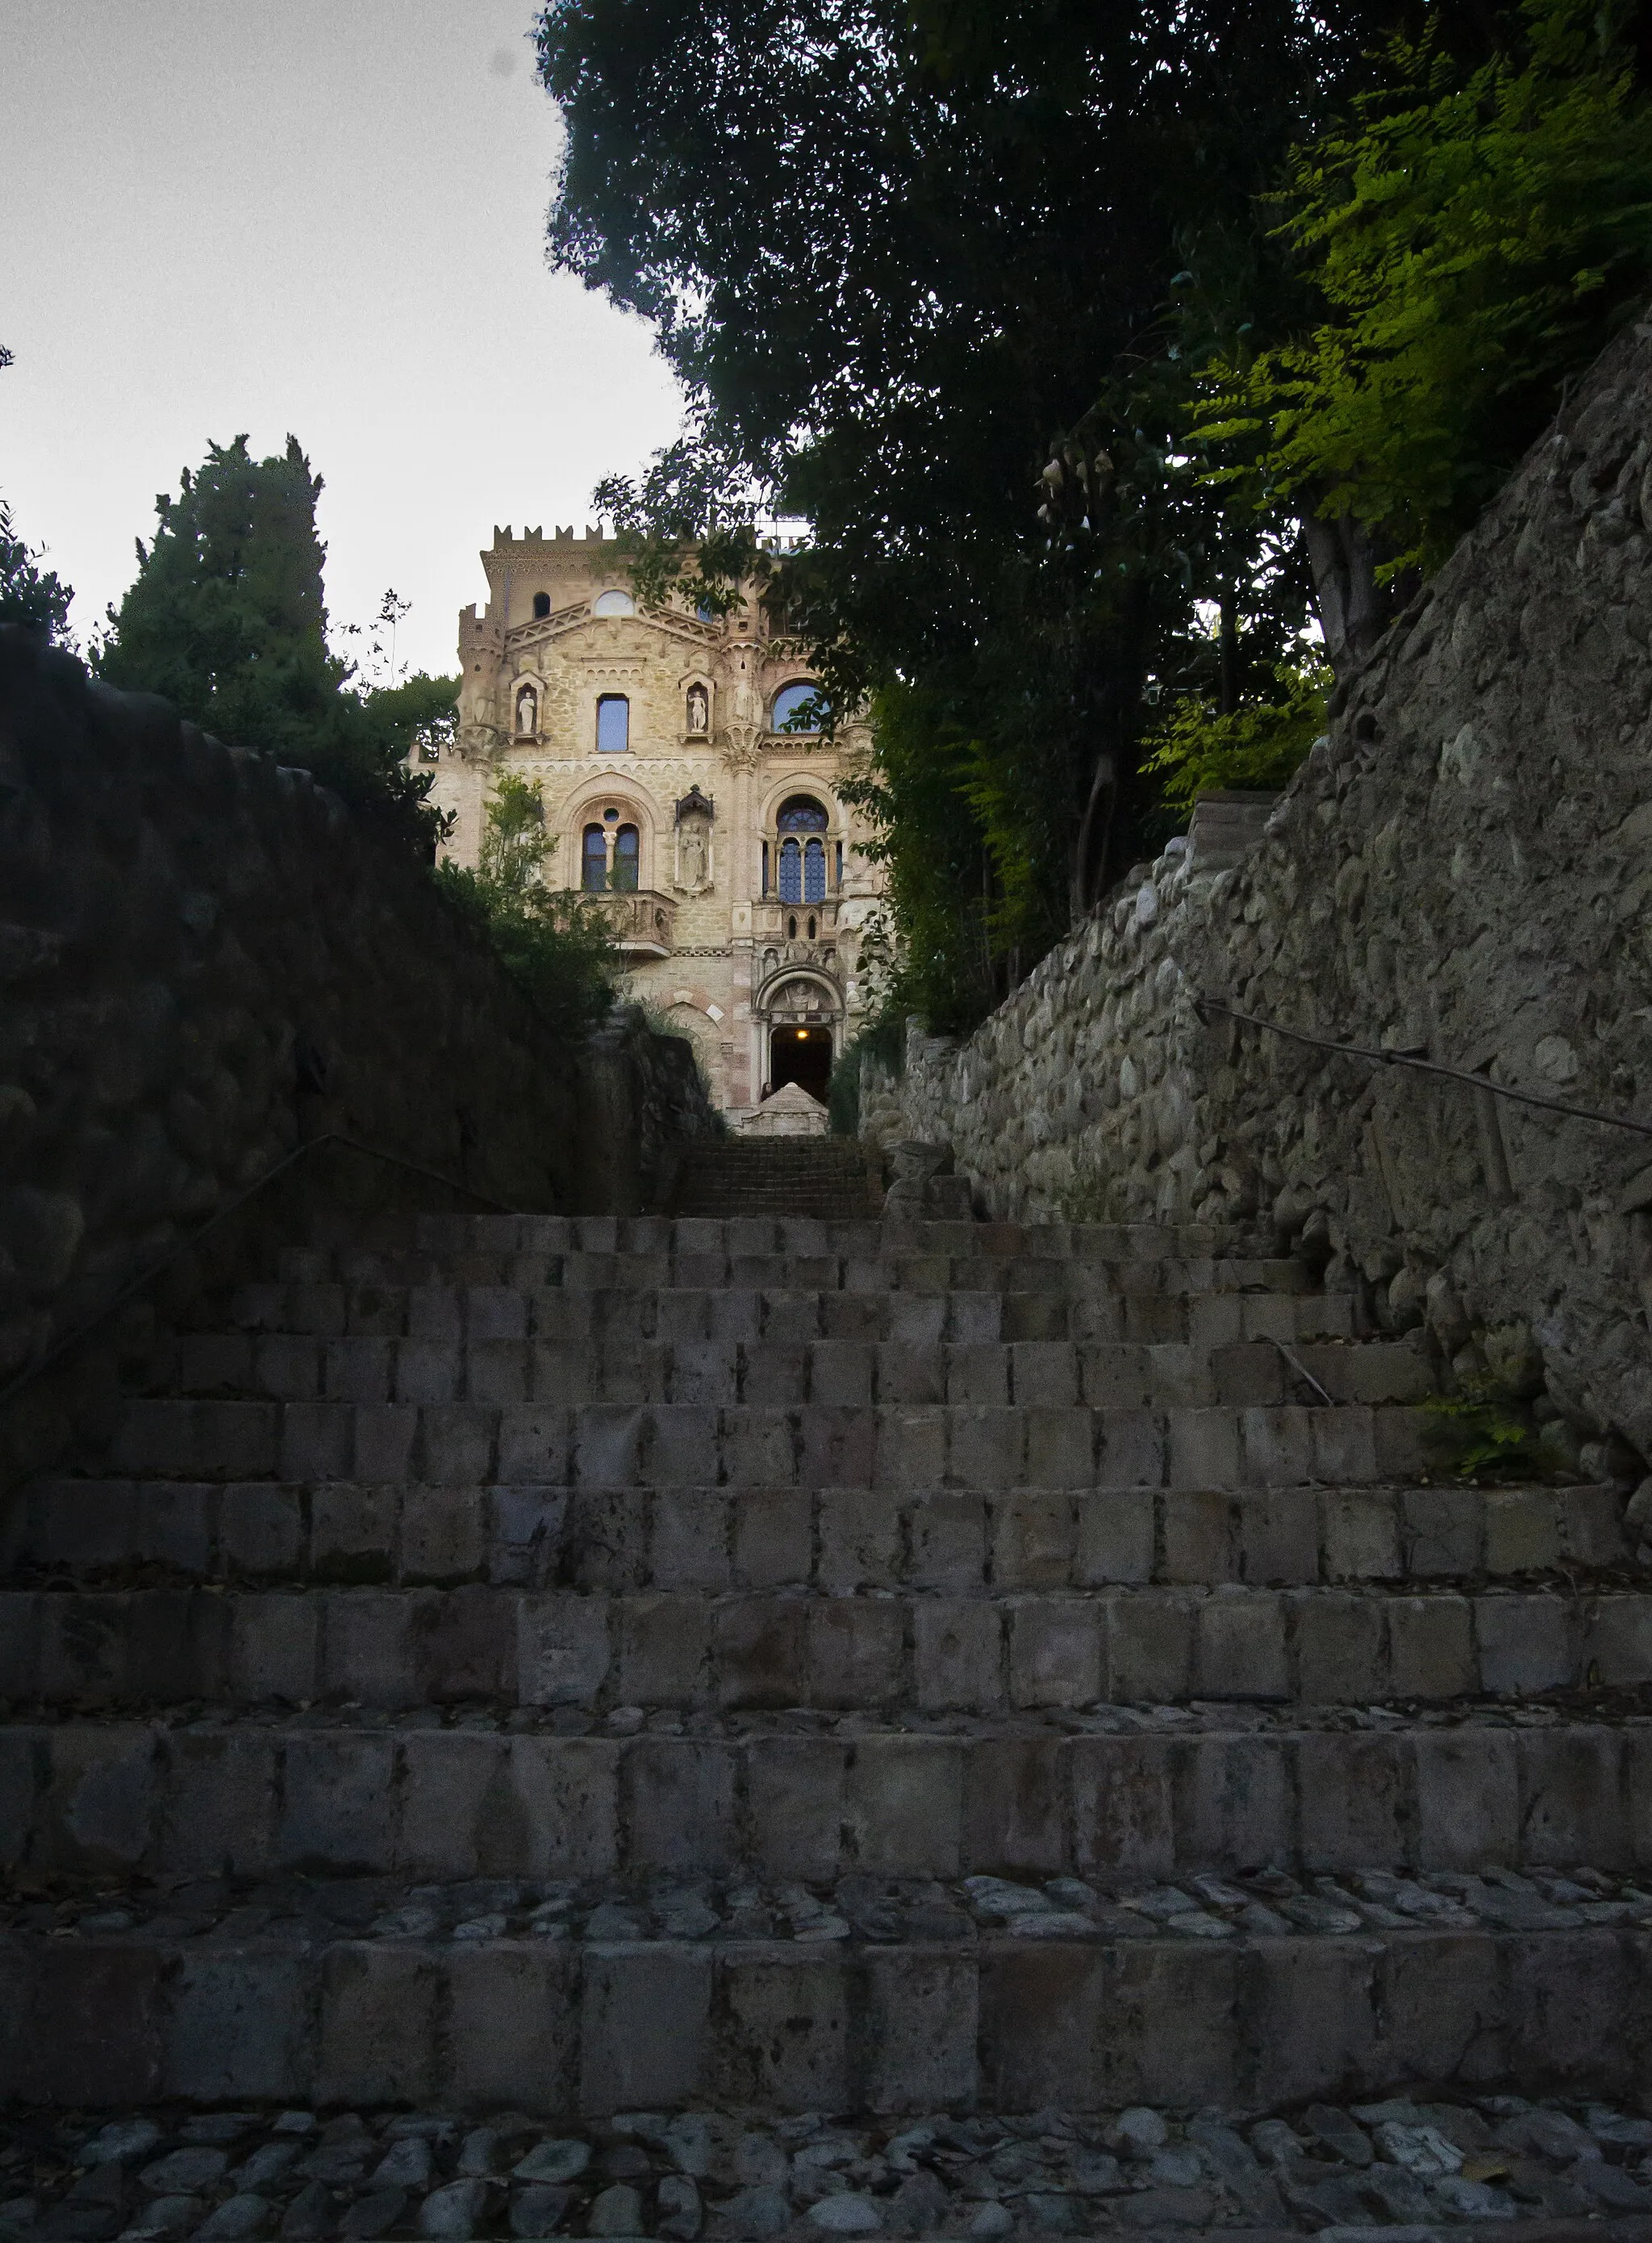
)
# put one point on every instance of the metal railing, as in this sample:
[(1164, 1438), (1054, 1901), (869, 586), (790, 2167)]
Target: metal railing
[(1206, 1006), (66, 1344)]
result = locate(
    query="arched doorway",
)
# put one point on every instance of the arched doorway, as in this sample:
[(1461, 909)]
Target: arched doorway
[(803, 1057)]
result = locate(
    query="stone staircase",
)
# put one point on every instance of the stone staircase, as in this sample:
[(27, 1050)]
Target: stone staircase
[(781, 1177), (582, 1667)]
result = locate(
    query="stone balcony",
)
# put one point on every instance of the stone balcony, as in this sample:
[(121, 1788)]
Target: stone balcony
[(643, 922)]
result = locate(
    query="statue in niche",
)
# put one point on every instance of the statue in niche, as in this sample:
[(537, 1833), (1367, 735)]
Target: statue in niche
[(699, 709), (526, 713), (692, 857)]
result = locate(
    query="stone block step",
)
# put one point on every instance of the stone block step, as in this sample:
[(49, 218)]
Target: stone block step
[(1041, 1373), (629, 1316), (812, 1445), (399, 1649), (310, 1797), (937, 1272), (738, 1235), (133, 1533), (1010, 2020)]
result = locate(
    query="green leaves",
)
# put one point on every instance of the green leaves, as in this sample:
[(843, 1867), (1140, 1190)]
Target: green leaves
[(557, 951), (1474, 238), (1258, 746), (227, 620), (29, 595)]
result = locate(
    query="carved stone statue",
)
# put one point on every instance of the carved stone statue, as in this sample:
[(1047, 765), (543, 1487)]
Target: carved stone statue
[(699, 709), (526, 713), (691, 857)]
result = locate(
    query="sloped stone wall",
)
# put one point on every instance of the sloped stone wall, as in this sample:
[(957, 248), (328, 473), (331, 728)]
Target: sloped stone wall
[(1463, 867), (204, 960)]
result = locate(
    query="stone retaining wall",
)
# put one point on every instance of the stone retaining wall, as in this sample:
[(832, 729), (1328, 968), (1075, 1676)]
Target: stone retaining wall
[(1463, 868), (207, 959)]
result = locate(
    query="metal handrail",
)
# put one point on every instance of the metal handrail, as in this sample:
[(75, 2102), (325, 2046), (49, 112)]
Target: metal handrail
[(72, 1339), (1205, 1006)]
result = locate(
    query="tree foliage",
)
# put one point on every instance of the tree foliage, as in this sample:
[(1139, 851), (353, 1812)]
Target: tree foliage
[(1472, 238), (1258, 746), (227, 619), (961, 284), (35, 597), (555, 949), (29, 595)]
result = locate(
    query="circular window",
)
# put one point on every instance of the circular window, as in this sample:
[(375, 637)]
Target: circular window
[(614, 603)]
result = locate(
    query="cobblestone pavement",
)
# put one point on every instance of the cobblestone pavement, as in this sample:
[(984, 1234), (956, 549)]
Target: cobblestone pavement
[(1628, 1708), (1399, 2164), (1266, 1904)]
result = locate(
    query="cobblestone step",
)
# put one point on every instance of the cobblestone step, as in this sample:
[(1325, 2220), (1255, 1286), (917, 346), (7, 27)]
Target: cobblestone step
[(745, 2174), (137, 1533), (812, 1445), (825, 2023), (394, 1647), (361, 1368), (632, 1315), (328, 1795)]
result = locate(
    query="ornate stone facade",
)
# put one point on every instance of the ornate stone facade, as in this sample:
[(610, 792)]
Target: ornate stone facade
[(729, 862)]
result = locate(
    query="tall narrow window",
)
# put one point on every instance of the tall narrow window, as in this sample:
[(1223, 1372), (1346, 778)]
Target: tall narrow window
[(766, 888), (791, 872), (838, 882), (594, 860), (625, 857), (613, 725), (813, 872)]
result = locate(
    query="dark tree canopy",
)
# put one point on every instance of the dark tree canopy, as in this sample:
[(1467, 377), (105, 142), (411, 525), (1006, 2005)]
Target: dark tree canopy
[(29, 595), (227, 619), (903, 257)]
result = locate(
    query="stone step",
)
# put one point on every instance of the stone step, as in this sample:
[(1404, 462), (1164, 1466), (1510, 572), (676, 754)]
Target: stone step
[(134, 1533), (397, 1649), (306, 1797), (860, 1238), (1093, 2017), (938, 1272), (812, 1445), (1051, 2171), (360, 1367), (630, 1316)]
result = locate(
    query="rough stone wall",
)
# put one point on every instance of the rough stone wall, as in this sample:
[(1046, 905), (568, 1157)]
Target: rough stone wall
[(204, 960), (1463, 867)]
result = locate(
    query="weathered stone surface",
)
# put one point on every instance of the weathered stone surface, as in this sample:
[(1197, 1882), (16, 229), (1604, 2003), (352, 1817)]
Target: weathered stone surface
[(211, 961), (1462, 867)]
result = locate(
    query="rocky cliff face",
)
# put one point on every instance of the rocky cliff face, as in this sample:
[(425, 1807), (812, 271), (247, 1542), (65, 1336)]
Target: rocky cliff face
[(1463, 868)]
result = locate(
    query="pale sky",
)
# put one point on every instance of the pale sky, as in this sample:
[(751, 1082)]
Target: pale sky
[(322, 215)]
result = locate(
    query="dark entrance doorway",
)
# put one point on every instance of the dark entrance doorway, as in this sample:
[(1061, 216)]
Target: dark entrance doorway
[(800, 1055)]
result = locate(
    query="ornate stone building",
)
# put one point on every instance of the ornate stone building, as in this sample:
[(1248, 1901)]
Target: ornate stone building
[(726, 857)]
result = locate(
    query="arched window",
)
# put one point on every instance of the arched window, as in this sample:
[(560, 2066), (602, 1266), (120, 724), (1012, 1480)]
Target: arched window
[(614, 603), (594, 860), (803, 856), (797, 709), (541, 606), (613, 725), (625, 857)]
